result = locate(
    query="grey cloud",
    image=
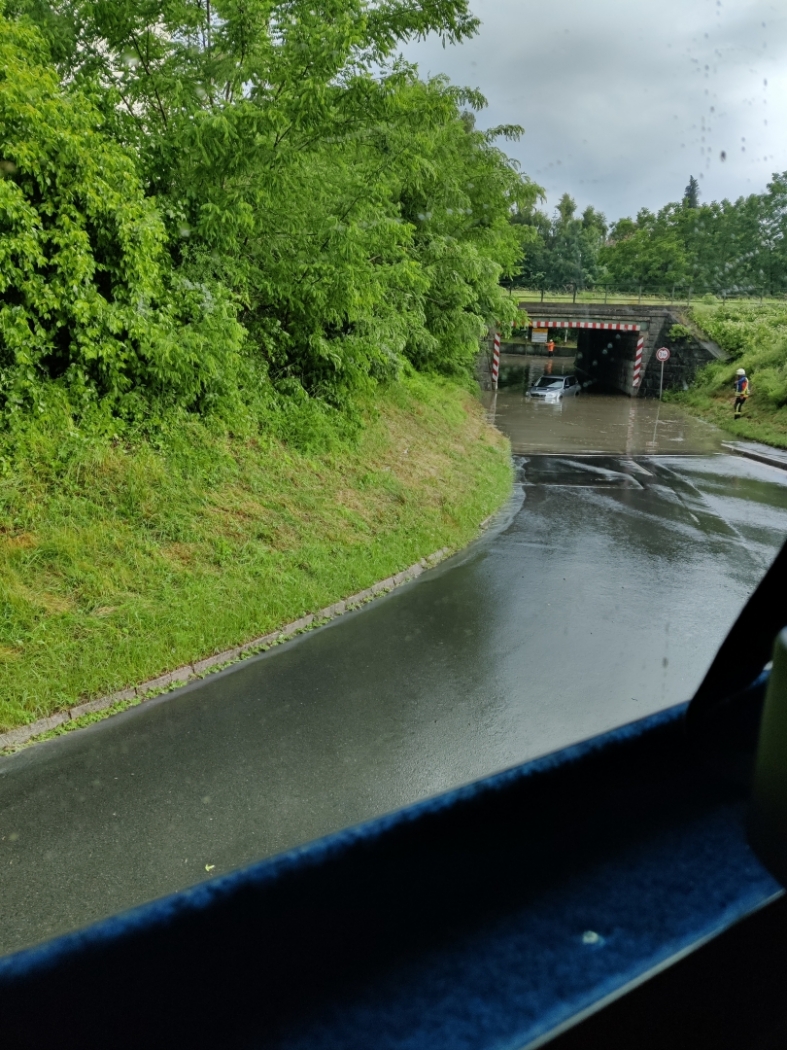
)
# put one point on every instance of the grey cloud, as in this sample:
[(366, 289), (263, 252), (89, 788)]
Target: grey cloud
[(616, 96)]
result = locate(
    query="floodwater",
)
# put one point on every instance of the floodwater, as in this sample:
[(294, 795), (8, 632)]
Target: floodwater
[(591, 422), (600, 596)]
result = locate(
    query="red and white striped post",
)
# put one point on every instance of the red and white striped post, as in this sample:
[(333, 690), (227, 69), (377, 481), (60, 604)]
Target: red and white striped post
[(635, 381), (495, 359)]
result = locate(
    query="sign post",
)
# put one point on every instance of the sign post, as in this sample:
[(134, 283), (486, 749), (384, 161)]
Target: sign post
[(495, 358), (663, 355)]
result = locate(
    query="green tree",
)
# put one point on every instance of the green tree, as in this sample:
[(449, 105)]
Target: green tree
[(771, 261), (89, 306), (562, 252), (646, 254), (289, 147), (533, 268), (566, 246), (691, 195), (724, 247), (592, 239)]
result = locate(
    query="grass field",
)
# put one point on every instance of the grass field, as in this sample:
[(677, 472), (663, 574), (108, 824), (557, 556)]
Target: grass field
[(120, 562)]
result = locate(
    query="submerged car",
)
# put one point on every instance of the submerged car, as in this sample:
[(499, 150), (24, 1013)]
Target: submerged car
[(553, 388)]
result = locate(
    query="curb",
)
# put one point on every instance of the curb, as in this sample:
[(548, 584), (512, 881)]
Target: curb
[(191, 672), (760, 457)]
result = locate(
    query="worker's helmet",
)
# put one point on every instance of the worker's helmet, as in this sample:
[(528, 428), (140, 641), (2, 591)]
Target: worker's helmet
[(741, 372)]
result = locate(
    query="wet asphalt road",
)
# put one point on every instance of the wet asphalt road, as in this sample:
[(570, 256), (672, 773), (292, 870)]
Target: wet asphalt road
[(601, 597)]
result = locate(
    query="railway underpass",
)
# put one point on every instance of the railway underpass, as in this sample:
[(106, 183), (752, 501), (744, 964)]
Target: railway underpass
[(616, 344)]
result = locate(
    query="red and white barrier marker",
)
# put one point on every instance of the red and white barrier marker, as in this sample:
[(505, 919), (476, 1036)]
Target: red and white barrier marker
[(638, 362), (605, 326), (495, 359)]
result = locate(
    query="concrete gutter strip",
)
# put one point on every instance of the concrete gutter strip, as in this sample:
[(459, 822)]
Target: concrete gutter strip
[(188, 673), (773, 457), (21, 735)]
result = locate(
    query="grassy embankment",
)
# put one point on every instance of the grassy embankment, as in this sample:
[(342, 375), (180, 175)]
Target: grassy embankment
[(118, 563), (755, 337)]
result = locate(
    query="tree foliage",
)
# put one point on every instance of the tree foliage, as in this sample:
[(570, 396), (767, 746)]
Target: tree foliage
[(563, 251), (87, 296), (721, 248), (691, 195), (262, 191)]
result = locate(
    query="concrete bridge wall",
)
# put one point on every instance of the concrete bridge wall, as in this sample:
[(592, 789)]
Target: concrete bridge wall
[(653, 323)]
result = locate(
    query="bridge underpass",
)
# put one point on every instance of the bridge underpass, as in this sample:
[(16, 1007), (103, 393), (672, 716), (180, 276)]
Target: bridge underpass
[(616, 344), (607, 359)]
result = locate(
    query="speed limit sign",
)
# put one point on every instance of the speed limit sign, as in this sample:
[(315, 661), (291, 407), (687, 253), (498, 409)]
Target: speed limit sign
[(662, 355)]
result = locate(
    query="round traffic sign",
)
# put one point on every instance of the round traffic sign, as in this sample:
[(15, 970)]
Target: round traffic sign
[(662, 354)]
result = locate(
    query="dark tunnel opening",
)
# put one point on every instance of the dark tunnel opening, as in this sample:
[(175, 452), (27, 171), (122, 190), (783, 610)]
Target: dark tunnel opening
[(604, 360)]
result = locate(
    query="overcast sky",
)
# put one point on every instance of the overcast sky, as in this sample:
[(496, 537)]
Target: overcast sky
[(623, 100)]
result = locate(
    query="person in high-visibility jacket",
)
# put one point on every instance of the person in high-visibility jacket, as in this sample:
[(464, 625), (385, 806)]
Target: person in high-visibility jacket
[(741, 391)]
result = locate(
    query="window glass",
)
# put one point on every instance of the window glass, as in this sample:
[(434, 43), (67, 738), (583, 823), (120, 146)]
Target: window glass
[(260, 263)]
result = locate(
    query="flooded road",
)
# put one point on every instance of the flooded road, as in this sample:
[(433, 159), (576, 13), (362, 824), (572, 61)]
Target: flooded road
[(601, 596), (591, 422)]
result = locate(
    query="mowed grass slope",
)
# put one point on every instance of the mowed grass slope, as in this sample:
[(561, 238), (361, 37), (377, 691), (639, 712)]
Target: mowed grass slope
[(118, 563), (755, 337)]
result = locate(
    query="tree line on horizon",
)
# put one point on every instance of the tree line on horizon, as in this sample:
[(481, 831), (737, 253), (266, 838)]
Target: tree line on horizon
[(726, 248), (209, 204)]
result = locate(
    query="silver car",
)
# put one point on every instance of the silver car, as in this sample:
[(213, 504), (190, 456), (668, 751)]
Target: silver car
[(553, 388)]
